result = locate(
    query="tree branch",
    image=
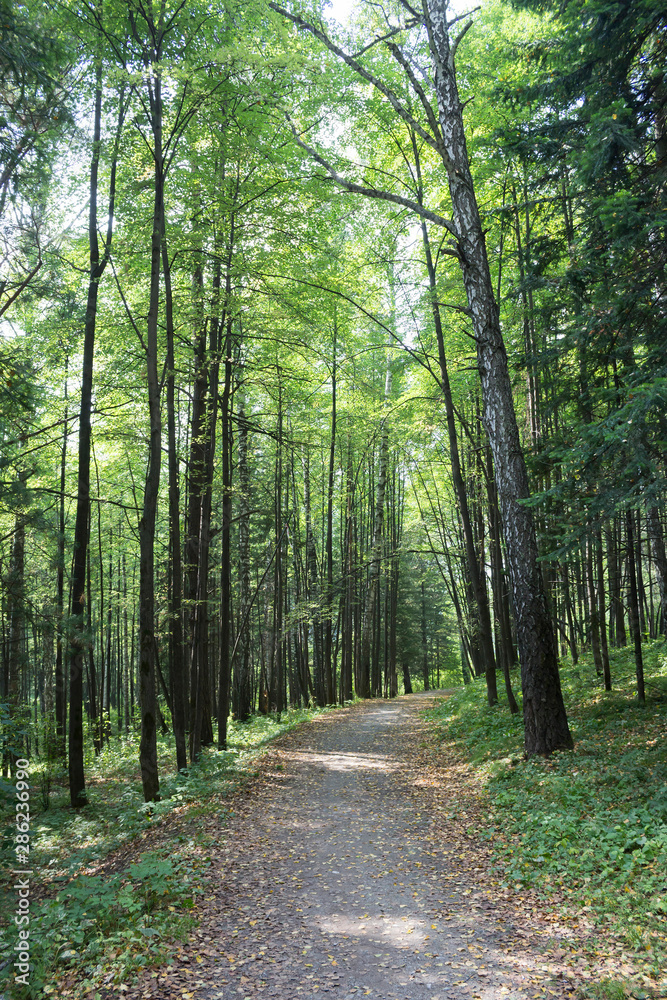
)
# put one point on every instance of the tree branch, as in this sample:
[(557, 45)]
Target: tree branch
[(376, 193), (401, 111)]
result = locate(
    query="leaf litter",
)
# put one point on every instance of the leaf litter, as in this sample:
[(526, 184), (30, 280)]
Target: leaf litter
[(347, 868)]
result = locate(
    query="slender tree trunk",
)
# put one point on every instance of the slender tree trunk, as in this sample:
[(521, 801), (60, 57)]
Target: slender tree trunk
[(176, 647), (196, 486), (126, 657), (328, 613), (618, 610), (477, 582), (633, 608), (394, 575), (97, 265), (312, 587), (60, 682), (242, 696), (423, 637), (147, 639), (276, 685), (657, 539), (200, 485), (17, 663), (641, 593), (602, 611), (226, 561), (369, 684), (593, 608), (346, 670), (502, 644)]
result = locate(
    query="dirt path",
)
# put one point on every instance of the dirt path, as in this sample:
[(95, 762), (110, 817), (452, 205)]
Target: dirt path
[(334, 879)]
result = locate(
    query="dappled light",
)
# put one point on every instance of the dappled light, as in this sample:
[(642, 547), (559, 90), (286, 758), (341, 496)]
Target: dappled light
[(333, 499)]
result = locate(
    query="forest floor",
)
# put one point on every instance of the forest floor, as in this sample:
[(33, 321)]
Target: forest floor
[(342, 872)]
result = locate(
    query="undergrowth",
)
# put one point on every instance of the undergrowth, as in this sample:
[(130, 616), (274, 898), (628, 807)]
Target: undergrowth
[(586, 828), (106, 927)]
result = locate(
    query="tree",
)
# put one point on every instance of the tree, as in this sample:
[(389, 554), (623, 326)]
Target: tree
[(98, 261), (545, 720)]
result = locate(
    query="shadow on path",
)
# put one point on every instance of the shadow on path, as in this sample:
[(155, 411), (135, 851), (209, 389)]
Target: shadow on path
[(334, 881)]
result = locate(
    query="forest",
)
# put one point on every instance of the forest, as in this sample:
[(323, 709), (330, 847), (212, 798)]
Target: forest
[(333, 361), (333, 369)]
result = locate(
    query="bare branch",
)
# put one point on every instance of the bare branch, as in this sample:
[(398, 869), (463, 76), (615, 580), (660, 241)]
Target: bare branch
[(380, 38), (421, 94), (23, 285), (401, 111), (376, 193), (459, 38)]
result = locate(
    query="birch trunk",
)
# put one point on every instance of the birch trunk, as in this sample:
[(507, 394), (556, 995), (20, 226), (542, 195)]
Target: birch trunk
[(545, 720)]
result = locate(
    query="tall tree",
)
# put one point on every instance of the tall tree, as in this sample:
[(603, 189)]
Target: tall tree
[(545, 721), (98, 260)]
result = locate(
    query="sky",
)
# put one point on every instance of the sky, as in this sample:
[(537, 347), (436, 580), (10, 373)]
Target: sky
[(340, 9)]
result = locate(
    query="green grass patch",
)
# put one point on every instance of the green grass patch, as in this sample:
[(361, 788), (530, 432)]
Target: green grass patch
[(107, 927), (586, 827)]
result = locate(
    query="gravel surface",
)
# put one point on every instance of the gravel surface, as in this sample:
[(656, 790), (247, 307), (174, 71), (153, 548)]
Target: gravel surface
[(333, 878)]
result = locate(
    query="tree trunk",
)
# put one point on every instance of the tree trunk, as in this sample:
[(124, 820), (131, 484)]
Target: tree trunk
[(147, 639), (328, 610), (226, 558), (312, 588), (347, 618), (177, 674), (478, 583), (602, 611), (503, 644), (16, 613), (276, 680), (242, 692), (659, 560), (615, 583), (545, 720), (593, 608), (97, 265), (424, 642), (395, 565), (370, 689), (633, 608), (60, 681)]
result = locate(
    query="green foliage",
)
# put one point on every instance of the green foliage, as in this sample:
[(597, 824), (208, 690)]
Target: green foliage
[(586, 828), (110, 926), (581, 136)]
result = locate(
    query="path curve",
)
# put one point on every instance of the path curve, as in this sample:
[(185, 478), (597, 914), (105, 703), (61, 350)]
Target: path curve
[(333, 880)]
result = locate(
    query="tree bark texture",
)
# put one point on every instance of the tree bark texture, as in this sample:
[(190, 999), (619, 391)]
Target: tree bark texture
[(545, 720)]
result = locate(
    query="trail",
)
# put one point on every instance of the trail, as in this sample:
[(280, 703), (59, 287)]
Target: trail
[(334, 879)]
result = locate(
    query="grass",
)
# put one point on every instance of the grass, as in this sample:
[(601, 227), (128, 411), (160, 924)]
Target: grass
[(96, 930), (587, 828)]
